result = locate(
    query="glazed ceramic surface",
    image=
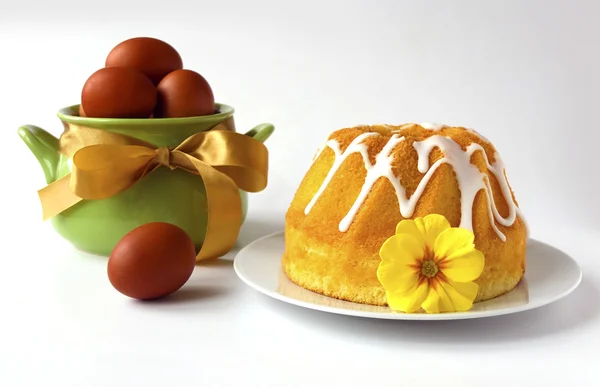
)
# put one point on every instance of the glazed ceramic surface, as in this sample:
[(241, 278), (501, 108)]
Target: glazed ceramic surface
[(550, 276), (176, 197)]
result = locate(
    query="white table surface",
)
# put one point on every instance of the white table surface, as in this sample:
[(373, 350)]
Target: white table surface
[(67, 326)]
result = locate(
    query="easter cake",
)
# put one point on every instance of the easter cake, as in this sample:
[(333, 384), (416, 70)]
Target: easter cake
[(375, 196)]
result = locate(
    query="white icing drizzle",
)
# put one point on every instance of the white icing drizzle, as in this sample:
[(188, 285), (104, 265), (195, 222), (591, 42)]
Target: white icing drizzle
[(470, 179), (355, 146), (399, 129), (432, 126), (381, 168)]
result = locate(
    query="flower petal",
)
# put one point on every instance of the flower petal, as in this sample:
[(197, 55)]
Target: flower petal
[(396, 277), (430, 305), (432, 226), (403, 249), (410, 301), (409, 227), (464, 265), (452, 240), (461, 294), (398, 270), (437, 300)]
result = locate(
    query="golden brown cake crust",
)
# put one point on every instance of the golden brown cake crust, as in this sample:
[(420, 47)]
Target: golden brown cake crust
[(319, 257)]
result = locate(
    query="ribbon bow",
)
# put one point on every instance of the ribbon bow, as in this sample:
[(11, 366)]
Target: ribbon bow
[(224, 160)]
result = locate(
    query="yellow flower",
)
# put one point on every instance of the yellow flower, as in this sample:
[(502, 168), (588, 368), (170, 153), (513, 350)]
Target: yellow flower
[(428, 264)]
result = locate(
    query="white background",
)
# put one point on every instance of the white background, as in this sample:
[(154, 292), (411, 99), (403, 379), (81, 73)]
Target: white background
[(523, 73)]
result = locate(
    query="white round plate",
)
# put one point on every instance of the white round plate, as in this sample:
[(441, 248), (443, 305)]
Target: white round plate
[(550, 276)]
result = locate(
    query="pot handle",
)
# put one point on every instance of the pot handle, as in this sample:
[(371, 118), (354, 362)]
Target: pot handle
[(44, 147), (261, 132)]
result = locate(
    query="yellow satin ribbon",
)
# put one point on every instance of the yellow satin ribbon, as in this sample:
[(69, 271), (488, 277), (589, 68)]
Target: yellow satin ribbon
[(106, 163)]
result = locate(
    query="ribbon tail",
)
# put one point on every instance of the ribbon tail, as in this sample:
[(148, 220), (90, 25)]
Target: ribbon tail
[(57, 197), (224, 207)]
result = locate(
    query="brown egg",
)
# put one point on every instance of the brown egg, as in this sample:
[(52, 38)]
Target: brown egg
[(81, 111), (151, 56), (118, 92), (184, 93), (152, 261)]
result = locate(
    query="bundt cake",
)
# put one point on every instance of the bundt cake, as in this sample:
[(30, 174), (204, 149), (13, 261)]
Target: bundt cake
[(366, 179)]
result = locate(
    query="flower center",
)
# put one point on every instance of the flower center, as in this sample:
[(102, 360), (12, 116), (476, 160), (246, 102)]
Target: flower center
[(429, 268)]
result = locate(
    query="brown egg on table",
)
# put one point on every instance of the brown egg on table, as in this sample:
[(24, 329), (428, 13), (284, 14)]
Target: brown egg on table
[(118, 92), (184, 93), (151, 56), (152, 261)]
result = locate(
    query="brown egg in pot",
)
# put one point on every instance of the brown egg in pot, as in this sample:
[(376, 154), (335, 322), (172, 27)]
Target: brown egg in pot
[(151, 56), (184, 93), (118, 92), (152, 261)]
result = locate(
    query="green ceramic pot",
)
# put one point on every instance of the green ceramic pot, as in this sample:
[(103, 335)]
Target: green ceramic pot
[(176, 197)]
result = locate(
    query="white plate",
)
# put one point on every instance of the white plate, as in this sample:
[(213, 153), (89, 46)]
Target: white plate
[(550, 276)]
